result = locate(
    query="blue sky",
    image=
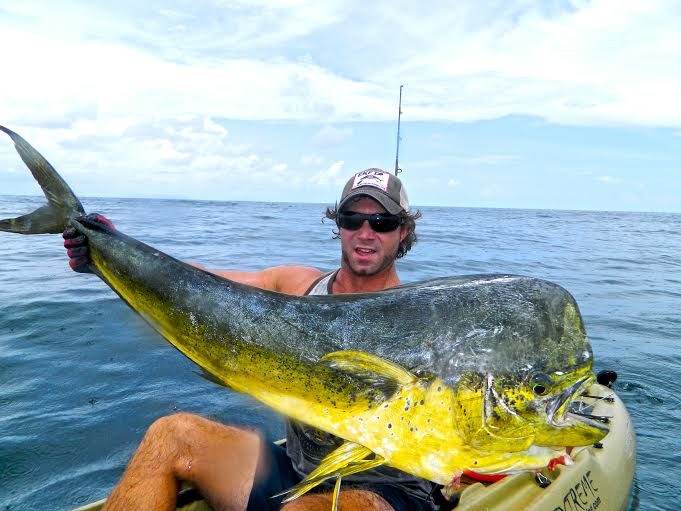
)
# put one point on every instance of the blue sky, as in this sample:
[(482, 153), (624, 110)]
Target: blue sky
[(518, 103)]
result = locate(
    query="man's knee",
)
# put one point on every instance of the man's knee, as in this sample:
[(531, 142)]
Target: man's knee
[(183, 440), (171, 430), (186, 429)]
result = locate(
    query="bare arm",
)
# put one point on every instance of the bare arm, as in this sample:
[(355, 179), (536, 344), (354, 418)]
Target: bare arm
[(292, 280)]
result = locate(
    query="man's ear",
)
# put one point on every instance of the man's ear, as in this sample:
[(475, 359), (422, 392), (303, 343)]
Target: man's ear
[(404, 231)]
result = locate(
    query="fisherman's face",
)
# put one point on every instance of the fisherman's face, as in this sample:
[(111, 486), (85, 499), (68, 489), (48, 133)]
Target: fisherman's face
[(365, 251)]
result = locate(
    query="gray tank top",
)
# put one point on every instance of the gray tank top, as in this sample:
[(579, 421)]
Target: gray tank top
[(307, 446)]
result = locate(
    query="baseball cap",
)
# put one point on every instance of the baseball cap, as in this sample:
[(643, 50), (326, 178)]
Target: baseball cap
[(381, 186)]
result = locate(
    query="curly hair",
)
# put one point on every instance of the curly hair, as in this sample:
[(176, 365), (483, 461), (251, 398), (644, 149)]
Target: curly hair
[(408, 222)]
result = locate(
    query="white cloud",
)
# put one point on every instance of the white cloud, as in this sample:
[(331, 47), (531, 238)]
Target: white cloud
[(330, 175), (311, 160), (609, 179), (598, 62), (280, 168), (191, 156), (453, 182), (330, 135)]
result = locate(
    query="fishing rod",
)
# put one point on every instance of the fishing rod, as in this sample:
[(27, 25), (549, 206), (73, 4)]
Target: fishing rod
[(399, 116)]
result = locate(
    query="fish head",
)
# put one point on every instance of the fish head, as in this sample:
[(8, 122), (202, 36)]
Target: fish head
[(553, 420), (512, 412), (537, 407), (524, 376)]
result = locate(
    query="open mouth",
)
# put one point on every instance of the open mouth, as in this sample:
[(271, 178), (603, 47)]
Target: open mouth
[(364, 251), (565, 426), (557, 409)]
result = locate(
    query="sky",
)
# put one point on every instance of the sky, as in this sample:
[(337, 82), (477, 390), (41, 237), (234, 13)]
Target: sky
[(508, 103)]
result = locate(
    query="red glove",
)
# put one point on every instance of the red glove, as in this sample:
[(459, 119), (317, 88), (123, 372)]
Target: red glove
[(77, 246)]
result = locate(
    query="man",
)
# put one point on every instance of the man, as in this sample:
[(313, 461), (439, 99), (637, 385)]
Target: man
[(233, 468)]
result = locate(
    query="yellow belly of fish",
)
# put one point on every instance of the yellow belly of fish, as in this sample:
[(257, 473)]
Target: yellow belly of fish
[(413, 431)]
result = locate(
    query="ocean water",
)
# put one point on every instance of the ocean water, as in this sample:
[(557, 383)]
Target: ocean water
[(82, 377)]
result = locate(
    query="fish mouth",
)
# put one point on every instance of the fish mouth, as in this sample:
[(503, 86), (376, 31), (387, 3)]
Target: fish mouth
[(567, 429), (557, 409)]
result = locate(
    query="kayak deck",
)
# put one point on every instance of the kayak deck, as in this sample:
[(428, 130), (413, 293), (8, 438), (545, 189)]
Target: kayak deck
[(600, 478)]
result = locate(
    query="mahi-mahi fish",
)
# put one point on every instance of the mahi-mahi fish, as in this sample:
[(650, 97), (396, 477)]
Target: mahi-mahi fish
[(474, 373)]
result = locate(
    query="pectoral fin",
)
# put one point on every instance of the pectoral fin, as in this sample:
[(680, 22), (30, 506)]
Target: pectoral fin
[(348, 459), (376, 371)]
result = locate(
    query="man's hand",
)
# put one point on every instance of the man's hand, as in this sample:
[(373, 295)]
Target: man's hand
[(77, 246)]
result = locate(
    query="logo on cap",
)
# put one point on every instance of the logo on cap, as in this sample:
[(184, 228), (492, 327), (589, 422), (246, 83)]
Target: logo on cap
[(372, 177)]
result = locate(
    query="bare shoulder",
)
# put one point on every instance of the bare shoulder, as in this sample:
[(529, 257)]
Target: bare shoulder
[(293, 280)]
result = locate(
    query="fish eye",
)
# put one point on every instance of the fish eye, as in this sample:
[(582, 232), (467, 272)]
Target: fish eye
[(540, 383)]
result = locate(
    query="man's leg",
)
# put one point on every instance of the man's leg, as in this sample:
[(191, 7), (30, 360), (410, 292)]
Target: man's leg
[(220, 461)]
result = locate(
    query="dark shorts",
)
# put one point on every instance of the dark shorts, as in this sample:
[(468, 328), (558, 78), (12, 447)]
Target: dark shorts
[(281, 476)]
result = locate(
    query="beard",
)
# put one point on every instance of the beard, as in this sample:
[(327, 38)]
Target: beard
[(385, 263)]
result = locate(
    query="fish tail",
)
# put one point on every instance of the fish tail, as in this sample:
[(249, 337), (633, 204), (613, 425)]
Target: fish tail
[(62, 204)]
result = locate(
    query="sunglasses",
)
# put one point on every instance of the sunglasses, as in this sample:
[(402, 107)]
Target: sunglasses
[(379, 222)]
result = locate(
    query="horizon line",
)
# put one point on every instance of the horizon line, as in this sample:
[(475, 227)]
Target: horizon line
[(528, 208)]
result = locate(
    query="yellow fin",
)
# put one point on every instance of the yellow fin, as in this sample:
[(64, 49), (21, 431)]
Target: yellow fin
[(348, 459), (376, 371)]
